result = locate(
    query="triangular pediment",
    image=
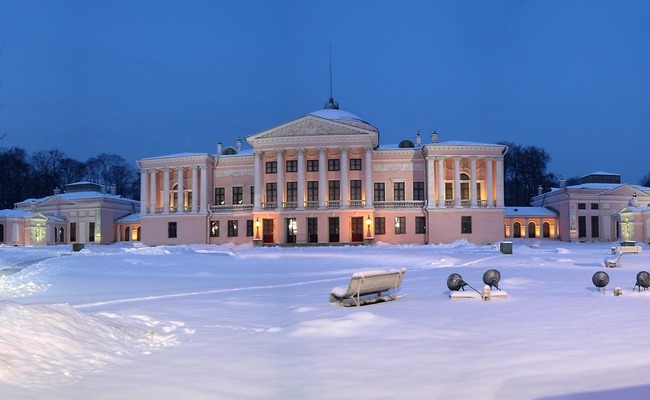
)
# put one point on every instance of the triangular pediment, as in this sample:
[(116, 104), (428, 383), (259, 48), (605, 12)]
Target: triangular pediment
[(56, 201), (624, 190), (308, 126)]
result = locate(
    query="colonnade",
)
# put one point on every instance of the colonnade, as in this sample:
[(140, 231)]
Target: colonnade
[(149, 202), (344, 168), (436, 179)]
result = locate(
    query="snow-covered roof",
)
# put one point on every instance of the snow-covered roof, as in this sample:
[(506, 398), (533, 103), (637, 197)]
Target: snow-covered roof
[(135, 217), (74, 196), (344, 117), (529, 212), (10, 213)]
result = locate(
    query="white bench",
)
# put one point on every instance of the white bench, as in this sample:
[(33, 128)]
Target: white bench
[(366, 283), (629, 249), (613, 261)]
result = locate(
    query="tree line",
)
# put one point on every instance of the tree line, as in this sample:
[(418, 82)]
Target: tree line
[(24, 176)]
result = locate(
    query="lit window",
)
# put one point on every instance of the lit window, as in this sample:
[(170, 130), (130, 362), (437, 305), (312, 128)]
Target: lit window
[(400, 225)]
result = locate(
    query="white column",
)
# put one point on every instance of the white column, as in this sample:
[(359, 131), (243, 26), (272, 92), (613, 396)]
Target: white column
[(370, 193), (457, 202), (280, 176), (322, 176), (143, 192), (500, 182), (152, 192), (166, 191), (258, 181), (203, 204), (441, 181), (195, 189), (431, 188), (301, 179), (180, 201), (490, 182), (472, 182), (345, 165)]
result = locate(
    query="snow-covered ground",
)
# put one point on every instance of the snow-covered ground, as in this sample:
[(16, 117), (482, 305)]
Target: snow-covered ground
[(218, 322)]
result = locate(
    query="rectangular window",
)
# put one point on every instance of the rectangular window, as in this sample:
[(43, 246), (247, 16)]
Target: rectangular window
[(400, 225), (292, 166), (271, 167), (465, 224), (214, 229), (249, 227), (420, 225), (172, 230), (334, 164), (73, 231), (594, 226), (312, 191), (312, 165), (582, 206), (418, 191), (292, 192), (380, 225), (355, 164), (91, 231), (398, 191), (333, 225), (582, 226), (380, 191), (237, 195), (449, 191), (334, 190), (271, 192), (220, 196), (252, 195), (355, 189), (594, 206), (312, 230), (232, 228)]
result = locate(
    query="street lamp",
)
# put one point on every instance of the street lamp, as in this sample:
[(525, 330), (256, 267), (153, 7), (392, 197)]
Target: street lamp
[(257, 228), (368, 222)]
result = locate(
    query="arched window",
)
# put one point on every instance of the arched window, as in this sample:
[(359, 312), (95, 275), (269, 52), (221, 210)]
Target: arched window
[(531, 229), (127, 234), (138, 234), (61, 235), (516, 230), (546, 230), (405, 144), (464, 186), (2, 233)]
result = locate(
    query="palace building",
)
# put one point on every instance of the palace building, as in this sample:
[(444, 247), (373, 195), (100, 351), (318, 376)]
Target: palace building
[(324, 178)]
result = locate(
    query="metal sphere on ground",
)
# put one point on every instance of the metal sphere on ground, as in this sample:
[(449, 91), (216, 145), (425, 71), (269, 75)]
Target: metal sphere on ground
[(600, 279), (455, 282), (491, 277), (643, 280)]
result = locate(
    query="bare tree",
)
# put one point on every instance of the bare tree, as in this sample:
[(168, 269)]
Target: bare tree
[(45, 167), (14, 176)]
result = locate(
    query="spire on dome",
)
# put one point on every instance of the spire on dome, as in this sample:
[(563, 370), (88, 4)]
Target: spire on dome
[(331, 104)]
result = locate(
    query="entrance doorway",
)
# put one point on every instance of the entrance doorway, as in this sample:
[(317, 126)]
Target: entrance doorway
[(333, 223), (267, 231), (312, 230), (292, 230), (357, 229)]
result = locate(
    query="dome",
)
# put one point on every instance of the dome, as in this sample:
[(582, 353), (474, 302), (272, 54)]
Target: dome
[(334, 114)]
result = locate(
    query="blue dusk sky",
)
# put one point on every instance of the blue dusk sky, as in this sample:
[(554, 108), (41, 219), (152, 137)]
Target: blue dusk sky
[(150, 78)]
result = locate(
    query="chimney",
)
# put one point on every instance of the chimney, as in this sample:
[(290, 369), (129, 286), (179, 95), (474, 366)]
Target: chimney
[(434, 137), (57, 191), (113, 190), (238, 145), (418, 139), (33, 205), (540, 189), (219, 145), (562, 182), (103, 188)]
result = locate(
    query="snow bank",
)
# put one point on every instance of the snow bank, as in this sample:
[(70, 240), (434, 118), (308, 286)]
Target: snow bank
[(44, 344)]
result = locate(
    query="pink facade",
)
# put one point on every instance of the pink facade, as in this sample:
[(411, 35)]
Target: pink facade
[(600, 209), (83, 213), (324, 179)]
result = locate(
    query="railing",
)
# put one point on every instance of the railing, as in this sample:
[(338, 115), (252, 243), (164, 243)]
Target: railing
[(290, 205), (333, 204), (311, 204), (357, 203), (271, 205), (223, 208), (399, 204)]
